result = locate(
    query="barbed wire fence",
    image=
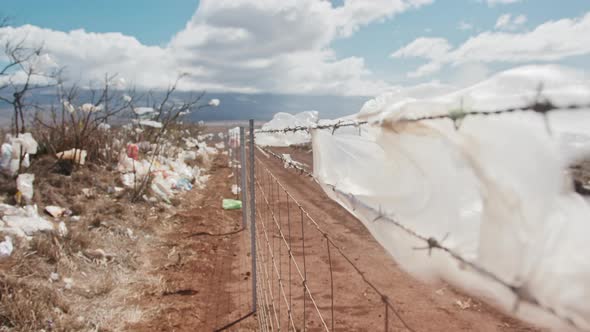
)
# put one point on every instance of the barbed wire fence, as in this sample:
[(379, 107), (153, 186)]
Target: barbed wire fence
[(294, 258), (543, 107)]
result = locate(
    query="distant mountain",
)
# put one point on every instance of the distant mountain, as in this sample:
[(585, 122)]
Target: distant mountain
[(235, 106)]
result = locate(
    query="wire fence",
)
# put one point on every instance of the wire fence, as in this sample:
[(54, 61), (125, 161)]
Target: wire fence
[(520, 291), (298, 282), (304, 275), (542, 107)]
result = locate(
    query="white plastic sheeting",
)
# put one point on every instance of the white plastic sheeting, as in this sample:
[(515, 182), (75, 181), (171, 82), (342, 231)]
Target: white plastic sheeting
[(23, 221), (286, 120), (495, 191)]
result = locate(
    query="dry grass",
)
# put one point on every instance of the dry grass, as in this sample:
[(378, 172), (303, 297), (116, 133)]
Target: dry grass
[(29, 305), (105, 291)]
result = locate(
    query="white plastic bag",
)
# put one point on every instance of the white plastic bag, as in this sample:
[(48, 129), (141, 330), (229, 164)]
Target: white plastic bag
[(6, 156), (24, 185), (79, 155), (6, 247), (27, 142)]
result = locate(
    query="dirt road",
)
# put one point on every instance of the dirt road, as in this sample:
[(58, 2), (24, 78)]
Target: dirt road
[(204, 267), (201, 264)]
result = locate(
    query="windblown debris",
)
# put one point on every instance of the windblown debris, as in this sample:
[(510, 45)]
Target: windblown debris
[(482, 187)]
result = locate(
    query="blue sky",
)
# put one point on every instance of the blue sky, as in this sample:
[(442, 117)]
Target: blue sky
[(302, 46)]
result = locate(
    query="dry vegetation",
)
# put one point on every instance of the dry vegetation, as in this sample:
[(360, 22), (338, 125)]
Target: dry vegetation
[(73, 282), (86, 277)]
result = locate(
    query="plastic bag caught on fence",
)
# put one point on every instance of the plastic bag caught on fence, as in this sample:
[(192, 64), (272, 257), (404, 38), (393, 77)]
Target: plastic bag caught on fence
[(493, 188), (286, 120)]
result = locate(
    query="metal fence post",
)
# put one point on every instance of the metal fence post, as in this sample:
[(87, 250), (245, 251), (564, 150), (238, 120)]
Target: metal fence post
[(253, 216), (244, 195)]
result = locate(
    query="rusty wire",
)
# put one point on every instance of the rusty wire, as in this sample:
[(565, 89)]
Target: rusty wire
[(330, 243), (542, 107), (269, 247), (521, 293)]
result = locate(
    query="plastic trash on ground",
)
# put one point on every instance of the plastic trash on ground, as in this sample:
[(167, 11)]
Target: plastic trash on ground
[(11, 152), (6, 156), (79, 156), (231, 204), (23, 222), (24, 185), (184, 184), (151, 123), (235, 189), (27, 142), (62, 230), (133, 151), (162, 187), (6, 247), (55, 211)]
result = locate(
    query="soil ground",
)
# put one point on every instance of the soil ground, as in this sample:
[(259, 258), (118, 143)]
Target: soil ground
[(187, 267), (206, 267)]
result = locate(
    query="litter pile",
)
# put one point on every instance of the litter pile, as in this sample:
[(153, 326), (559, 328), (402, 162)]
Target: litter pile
[(168, 174)]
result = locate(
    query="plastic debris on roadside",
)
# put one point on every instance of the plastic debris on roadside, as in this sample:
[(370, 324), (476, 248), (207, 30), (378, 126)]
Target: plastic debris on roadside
[(151, 123), (24, 185), (104, 126), (6, 247), (23, 222), (231, 204), (14, 149), (235, 189), (55, 211), (79, 156), (62, 230), (169, 173), (133, 151), (184, 184)]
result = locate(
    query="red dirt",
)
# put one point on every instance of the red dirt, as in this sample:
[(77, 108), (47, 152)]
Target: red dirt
[(199, 263), (206, 278)]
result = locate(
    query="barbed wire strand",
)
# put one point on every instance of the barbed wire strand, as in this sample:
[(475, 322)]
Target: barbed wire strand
[(335, 246), (521, 293), (541, 107)]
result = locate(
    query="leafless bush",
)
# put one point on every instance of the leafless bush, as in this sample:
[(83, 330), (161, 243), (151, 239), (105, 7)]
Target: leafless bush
[(83, 125), (169, 113), (23, 72)]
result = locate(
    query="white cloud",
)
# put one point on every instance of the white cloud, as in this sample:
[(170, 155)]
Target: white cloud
[(424, 47), (492, 3), (234, 45), (469, 74), (550, 41), (464, 26), (508, 22)]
